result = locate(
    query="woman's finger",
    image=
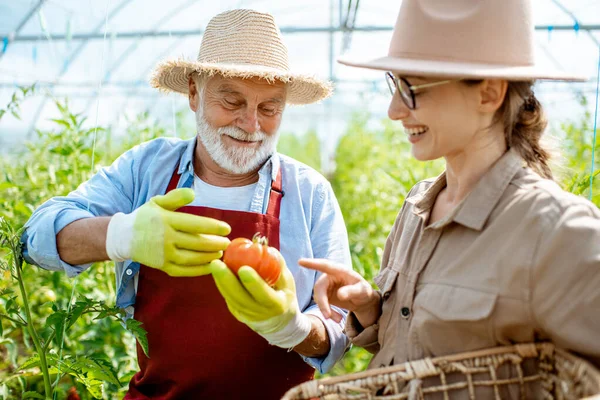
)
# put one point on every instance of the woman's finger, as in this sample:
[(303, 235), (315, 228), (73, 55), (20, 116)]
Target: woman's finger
[(336, 316), (322, 265)]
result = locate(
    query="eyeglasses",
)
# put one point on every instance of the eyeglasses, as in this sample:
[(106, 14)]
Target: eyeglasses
[(407, 91)]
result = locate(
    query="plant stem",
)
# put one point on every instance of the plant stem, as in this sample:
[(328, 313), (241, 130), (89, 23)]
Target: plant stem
[(16, 321), (49, 341), (32, 332)]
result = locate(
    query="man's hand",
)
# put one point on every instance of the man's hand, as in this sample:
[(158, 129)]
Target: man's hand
[(272, 312), (180, 244), (344, 288)]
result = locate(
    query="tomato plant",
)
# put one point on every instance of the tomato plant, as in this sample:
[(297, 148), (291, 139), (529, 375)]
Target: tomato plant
[(255, 253)]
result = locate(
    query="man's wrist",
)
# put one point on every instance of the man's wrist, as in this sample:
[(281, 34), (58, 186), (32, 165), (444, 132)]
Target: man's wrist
[(291, 335), (119, 235)]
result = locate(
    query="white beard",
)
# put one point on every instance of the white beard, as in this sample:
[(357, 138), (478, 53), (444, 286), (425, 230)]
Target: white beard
[(235, 159)]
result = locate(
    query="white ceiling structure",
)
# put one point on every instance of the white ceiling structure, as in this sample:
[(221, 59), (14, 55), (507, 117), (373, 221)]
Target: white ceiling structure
[(99, 53)]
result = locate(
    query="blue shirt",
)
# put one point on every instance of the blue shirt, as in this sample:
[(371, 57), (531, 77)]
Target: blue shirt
[(311, 222)]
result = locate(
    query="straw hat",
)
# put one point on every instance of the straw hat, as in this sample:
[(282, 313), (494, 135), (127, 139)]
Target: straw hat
[(464, 39), (241, 44)]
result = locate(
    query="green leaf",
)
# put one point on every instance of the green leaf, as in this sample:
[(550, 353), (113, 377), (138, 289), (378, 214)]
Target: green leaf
[(33, 361), (11, 306), (140, 333), (56, 318), (61, 122), (61, 107), (100, 369), (57, 321), (6, 185), (1, 330), (73, 118), (32, 395), (95, 387), (76, 312), (101, 315)]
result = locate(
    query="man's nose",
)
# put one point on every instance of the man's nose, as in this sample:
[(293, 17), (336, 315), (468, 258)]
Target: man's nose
[(248, 121)]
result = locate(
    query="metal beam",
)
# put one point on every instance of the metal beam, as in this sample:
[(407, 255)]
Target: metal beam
[(195, 32), (567, 27), (132, 47), (92, 86), (28, 16), (13, 35), (73, 56), (574, 17), (285, 29)]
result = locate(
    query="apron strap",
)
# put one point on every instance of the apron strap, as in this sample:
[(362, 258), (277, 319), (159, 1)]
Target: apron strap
[(174, 180), (274, 197)]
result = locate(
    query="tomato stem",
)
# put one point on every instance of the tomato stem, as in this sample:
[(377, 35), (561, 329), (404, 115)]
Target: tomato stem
[(258, 238)]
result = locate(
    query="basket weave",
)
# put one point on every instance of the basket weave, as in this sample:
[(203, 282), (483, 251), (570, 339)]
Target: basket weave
[(524, 371)]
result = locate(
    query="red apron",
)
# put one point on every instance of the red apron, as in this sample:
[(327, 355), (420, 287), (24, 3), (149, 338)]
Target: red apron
[(197, 349)]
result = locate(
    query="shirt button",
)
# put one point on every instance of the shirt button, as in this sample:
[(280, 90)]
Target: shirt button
[(129, 272), (405, 311), (386, 296)]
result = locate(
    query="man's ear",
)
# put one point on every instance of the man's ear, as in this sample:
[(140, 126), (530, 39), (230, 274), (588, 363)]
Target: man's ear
[(491, 94), (193, 97)]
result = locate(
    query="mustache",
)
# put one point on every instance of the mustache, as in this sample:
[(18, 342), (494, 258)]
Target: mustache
[(240, 134)]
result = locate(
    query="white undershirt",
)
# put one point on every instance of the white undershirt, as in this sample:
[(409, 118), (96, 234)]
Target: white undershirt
[(223, 198)]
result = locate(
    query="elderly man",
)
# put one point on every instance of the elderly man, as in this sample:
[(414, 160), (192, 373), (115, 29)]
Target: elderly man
[(165, 210)]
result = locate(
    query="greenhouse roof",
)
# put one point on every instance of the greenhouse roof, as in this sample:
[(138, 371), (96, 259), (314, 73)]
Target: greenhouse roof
[(99, 53)]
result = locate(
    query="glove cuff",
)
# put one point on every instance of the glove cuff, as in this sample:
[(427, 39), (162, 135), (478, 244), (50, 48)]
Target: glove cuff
[(119, 236), (292, 334)]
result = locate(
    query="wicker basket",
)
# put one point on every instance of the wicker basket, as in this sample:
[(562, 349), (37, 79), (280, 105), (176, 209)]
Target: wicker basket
[(521, 371)]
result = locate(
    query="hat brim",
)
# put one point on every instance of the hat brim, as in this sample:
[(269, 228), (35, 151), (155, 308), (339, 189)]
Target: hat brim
[(173, 76), (442, 68)]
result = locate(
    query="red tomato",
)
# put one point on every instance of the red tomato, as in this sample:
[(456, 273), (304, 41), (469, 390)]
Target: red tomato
[(72, 394), (254, 253)]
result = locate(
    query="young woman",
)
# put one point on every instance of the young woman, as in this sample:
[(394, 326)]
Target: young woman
[(492, 252)]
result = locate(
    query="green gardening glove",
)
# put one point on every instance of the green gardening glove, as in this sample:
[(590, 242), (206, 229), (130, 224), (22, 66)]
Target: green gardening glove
[(272, 312), (177, 243)]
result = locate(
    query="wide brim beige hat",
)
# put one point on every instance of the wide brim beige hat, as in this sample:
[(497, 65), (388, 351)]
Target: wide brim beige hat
[(464, 39), (242, 44)]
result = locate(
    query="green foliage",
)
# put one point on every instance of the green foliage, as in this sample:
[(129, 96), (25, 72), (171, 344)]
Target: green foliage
[(13, 107), (573, 167), (81, 336), (306, 149)]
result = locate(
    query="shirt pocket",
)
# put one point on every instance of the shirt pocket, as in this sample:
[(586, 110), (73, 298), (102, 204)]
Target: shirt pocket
[(387, 282), (449, 319)]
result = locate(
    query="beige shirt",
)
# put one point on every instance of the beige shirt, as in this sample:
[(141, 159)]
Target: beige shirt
[(517, 261)]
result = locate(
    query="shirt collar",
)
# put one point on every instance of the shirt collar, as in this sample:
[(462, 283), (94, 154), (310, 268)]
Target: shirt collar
[(187, 158), (271, 166), (479, 204), (475, 209)]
